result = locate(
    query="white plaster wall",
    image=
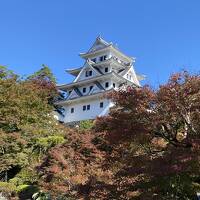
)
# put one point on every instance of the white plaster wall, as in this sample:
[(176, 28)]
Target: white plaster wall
[(94, 111)]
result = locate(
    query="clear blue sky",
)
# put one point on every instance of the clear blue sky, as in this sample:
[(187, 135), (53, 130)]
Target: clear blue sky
[(163, 35)]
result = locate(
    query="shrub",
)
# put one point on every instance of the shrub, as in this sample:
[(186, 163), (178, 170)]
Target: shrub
[(7, 187), (43, 144), (22, 188), (16, 181), (86, 125)]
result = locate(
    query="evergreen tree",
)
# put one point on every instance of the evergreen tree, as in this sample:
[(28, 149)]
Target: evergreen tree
[(43, 74)]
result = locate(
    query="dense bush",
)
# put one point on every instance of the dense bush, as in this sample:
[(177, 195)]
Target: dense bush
[(86, 125)]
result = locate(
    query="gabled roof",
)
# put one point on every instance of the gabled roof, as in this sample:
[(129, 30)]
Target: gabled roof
[(101, 45), (83, 82), (99, 85), (74, 94), (98, 44), (66, 87), (97, 88), (124, 71), (86, 97), (76, 71), (87, 64), (98, 69)]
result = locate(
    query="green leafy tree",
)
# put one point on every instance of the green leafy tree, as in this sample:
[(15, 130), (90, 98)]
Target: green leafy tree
[(25, 123), (43, 74), (45, 78)]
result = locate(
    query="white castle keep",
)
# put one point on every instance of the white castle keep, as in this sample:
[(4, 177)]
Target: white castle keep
[(105, 69)]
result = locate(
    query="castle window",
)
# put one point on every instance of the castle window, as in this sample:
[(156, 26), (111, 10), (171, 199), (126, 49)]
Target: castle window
[(84, 108), (107, 84), (72, 110), (101, 104), (94, 60), (102, 58), (88, 107), (84, 90), (114, 85), (106, 69), (91, 87), (88, 73)]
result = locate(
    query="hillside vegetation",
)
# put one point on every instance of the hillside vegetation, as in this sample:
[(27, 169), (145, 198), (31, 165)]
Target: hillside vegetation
[(147, 148)]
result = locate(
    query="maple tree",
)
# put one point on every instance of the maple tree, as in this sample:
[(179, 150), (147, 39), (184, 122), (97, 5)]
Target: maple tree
[(155, 139)]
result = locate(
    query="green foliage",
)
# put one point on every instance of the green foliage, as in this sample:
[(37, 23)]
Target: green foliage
[(86, 125), (44, 73), (16, 181), (7, 187), (5, 73), (22, 103), (25, 176), (43, 144), (22, 188), (26, 125)]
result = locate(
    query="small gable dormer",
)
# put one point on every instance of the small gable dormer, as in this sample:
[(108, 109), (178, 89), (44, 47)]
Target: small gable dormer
[(88, 71), (96, 88), (75, 93)]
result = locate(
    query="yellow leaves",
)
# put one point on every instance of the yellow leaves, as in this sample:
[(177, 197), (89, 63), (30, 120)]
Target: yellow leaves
[(159, 142), (180, 136), (7, 187)]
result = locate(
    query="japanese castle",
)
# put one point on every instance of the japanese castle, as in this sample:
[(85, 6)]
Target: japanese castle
[(105, 69)]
